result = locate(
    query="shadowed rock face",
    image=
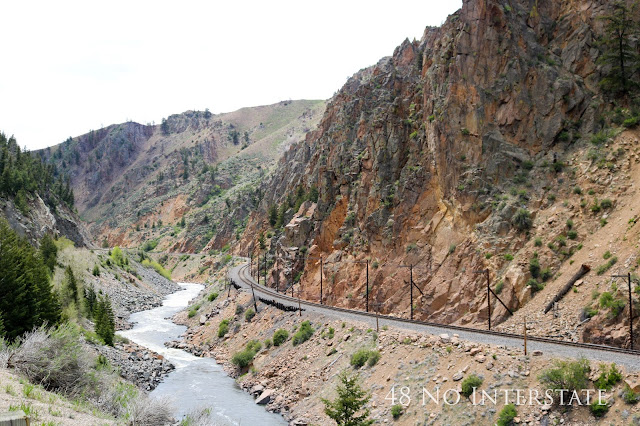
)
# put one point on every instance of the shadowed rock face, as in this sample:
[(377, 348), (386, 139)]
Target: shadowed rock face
[(412, 151)]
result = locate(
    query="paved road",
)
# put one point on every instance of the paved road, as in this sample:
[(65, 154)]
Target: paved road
[(632, 362)]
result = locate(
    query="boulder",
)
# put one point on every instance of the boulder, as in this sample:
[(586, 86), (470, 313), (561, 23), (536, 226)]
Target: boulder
[(264, 397)]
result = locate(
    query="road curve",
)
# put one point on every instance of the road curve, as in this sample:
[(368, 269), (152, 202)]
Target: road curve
[(597, 353)]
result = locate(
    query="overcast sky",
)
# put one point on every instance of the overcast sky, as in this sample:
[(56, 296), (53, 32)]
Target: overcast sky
[(72, 66)]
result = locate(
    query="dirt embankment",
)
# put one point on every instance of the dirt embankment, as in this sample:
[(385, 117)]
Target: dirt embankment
[(291, 380)]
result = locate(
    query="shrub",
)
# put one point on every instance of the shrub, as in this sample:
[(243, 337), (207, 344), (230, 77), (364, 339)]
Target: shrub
[(470, 383), (267, 343), (629, 396), (249, 314), (604, 268), (243, 358), (396, 411), (362, 356), (53, 358), (570, 375), (223, 328), (239, 309), (535, 285), (280, 336), (572, 234), (538, 242), (158, 268), (507, 414), (96, 271), (599, 409), (499, 287), (609, 377), (213, 296), (303, 334), (508, 257), (606, 203), (522, 220), (577, 190), (534, 266), (545, 274)]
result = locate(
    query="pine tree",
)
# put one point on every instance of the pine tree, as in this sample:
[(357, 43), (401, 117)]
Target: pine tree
[(72, 283), (262, 241), (27, 299), (49, 252), (350, 401), (104, 320), (620, 57), (91, 301), (273, 215)]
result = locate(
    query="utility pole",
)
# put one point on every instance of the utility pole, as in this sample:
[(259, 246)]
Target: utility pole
[(299, 304), (525, 336), (277, 273), (628, 277), (255, 303), (265, 269), (411, 288), (321, 268), (488, 298), (368, 291)]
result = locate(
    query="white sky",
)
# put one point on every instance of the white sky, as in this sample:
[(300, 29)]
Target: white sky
[(72, 66)]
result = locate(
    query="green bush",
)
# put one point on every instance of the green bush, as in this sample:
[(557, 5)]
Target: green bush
[(629, 396), (158, 268), (535, 285), (469, 383), (522, 220), (280, 336), (96, 271), (599, 409), (572, 234), (223, 328), (249, 314), (508, 257), (538, 242), (570, 375), (243, 358), (507, 414), (396, 411), (605, 267), (365, 356), (606, 203), (609, 377), (545, 274), (534, 266), (239, 309), (213, 296), (303, 334), (499, 287)]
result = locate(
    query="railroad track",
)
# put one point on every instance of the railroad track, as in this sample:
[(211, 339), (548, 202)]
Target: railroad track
[(628, 357)]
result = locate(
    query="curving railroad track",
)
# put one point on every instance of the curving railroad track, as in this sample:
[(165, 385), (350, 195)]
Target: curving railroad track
[(550, 347)]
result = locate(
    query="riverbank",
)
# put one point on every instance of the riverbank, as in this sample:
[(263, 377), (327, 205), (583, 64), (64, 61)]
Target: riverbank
[(292, 379)]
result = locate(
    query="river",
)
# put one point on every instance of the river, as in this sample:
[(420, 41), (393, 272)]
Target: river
[(196, 383)]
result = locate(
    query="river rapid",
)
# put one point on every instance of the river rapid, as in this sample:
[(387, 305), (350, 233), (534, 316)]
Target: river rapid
[(196, 383)]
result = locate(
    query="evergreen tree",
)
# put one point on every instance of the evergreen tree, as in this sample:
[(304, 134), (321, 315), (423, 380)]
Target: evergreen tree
[(350, 401), (262, 241), (104, 320), (620, 57), (91, 301), (27, 299), (273, 215), (2, 331), (49, 252), (72, 283), (281, 213)]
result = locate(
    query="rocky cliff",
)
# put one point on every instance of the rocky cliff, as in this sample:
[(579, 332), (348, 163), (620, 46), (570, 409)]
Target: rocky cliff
[(171, 184), (440, 157)]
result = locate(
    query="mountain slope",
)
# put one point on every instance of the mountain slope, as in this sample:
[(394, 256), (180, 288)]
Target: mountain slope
[(441, 157), (133, 182)]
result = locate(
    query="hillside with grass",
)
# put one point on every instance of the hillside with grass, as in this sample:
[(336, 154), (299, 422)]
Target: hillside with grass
[(168, 186)]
